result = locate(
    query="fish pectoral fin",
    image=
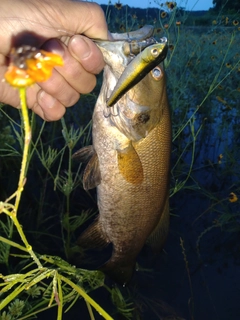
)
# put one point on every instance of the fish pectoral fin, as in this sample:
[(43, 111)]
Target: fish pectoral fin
[(84, 154), (92, 174), (129, 165), (93, 237)]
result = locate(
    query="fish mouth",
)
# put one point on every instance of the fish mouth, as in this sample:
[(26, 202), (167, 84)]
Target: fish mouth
[(132, 42), (128, 44), (140, 65), (128, 49)]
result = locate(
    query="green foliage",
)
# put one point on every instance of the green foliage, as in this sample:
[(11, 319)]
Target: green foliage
[(124, 305), (15, 310)]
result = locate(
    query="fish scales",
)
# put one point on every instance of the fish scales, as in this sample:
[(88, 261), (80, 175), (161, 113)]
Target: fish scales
[(132, 141)]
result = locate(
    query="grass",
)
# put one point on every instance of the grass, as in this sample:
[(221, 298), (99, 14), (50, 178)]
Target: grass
[(203, 68)]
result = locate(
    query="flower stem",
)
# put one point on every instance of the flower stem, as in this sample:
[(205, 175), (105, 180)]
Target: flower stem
[(27, 140), (22, 178)]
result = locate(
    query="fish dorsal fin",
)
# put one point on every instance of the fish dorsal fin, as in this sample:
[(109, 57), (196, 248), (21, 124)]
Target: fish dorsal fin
[(92, 174), (129, 165), (84, 154), (93, 237)]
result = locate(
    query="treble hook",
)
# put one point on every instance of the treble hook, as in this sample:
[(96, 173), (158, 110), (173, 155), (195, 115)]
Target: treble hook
[(111, 111)]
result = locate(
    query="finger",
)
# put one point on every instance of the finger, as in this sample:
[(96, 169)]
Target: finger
[(48, 107), (60, 89), (8, 94), (87, 53), (49, 99), (72, 71), (44, 105)]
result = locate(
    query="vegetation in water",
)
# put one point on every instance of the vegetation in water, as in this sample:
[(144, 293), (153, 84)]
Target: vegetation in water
[(203, 68)]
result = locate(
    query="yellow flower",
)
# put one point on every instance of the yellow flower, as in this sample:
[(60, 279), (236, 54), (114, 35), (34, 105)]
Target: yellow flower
[(29, 65), (118, 5), (214, 22), (171, 5), (233, 197), (178, 23), (228, 65), (163, 14), (221, 100), (158, 30), (122, 28), (220, 158), (235, 22), (166, 26)]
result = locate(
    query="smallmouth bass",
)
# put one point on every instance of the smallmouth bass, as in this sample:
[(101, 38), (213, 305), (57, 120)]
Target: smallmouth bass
[(129, 160)]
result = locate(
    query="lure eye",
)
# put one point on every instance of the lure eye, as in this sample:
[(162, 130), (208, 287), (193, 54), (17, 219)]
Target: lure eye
[(154, 52), (157, 73)]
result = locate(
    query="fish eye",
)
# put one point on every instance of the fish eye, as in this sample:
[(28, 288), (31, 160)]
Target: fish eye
[(156, 73), (154, 52)]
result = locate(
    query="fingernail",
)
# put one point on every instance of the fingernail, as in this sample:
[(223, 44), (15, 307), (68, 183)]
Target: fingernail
[(53, 45), (45, 100), (80, 47)]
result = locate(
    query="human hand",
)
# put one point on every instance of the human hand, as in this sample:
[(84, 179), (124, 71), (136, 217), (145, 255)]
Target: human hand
[(62, 27)]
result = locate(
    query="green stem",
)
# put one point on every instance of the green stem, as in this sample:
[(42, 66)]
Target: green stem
[(27, 140), (86, 297), (22, 178)]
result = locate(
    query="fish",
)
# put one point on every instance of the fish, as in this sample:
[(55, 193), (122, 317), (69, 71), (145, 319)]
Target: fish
[(129, 159)]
